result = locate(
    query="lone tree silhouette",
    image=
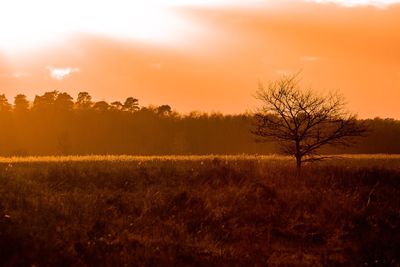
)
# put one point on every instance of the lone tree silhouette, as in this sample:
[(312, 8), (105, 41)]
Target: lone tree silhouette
[(303, 121)]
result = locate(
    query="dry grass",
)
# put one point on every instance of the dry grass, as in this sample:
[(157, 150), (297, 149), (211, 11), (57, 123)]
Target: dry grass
[(199, 211), (128, 158)]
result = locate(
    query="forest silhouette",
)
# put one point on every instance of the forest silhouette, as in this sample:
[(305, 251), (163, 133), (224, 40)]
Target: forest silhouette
[(55, 124)]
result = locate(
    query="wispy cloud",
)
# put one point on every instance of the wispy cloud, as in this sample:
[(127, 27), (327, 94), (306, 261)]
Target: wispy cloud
[(354, 3), (16, 75), (19, 75), (61, 73), (310, 58)]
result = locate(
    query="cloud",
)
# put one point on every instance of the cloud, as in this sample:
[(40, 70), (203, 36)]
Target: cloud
[(16, 75), (54, 22), (354, 3), (61, 73), (19, 75)]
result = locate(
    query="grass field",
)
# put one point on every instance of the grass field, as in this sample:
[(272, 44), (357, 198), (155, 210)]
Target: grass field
[(199, 211)]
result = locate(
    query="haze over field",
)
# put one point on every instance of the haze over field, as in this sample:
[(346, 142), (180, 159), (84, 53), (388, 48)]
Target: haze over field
[(202, 55), (199, 133)]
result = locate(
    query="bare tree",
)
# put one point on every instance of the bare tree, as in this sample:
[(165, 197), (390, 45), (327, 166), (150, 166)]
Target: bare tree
[(303, 121)]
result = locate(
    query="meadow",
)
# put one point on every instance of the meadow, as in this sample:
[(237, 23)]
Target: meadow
[(199, 211)]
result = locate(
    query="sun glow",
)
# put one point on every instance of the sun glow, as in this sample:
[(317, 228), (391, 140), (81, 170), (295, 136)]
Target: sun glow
[(29, 24), (354, 3)]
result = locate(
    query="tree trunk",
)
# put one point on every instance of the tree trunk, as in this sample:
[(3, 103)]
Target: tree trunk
[(298, 157), (298, 165)]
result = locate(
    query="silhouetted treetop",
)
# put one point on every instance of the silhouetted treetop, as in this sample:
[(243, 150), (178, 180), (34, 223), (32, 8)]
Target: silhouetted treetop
[(64, 102), (4, 105), (21, 103), (101, 106), (131, 104), (116, 105), (84, 101), (45, 102), (164, 110)]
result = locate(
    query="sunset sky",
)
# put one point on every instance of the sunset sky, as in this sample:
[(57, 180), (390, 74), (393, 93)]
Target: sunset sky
[(202, 55)]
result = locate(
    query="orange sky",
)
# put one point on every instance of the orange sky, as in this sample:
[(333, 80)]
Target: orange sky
[(217, 65)]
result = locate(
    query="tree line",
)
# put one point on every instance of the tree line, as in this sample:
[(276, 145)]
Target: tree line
[(56, 124)]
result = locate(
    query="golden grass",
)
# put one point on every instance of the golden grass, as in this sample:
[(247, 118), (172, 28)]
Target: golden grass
[(128, 158)]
